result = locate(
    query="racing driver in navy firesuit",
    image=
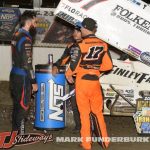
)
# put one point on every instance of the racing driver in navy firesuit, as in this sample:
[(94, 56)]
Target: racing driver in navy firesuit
[(22, 76)]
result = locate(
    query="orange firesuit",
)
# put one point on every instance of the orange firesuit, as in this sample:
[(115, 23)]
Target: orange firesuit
[(92, 58)]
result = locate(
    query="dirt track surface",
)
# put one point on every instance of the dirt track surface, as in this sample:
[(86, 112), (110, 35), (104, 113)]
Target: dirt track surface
[(117, 127)]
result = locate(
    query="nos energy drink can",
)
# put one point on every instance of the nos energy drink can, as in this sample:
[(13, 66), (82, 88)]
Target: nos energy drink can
[(50, 109)]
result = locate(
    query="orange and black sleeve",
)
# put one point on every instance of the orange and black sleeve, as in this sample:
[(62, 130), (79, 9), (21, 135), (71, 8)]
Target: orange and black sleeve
[(106, 64), (75, 60), (64, 59)]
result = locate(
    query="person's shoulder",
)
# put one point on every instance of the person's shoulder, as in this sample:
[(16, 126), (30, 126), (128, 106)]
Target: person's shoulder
[(25, 37), (73, 44), (77, 44), (103, 44), (18, 35), (69, 44), (91, 40), (101, 41)]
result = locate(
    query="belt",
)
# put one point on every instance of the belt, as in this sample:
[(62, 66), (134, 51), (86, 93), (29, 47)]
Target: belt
[(90, 67), (18, 71)]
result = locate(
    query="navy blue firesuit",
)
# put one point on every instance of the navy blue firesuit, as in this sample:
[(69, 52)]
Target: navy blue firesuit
[(21, 77)]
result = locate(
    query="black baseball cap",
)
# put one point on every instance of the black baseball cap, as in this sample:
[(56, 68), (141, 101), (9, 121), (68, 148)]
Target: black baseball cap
[(87, 23)]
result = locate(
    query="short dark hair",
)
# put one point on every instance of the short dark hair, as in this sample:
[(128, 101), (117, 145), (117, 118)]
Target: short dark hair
[(87, 23), (27, 15)]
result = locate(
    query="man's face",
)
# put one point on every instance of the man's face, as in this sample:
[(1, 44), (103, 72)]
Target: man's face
[(32, 26), (32, 23), (77, 34)]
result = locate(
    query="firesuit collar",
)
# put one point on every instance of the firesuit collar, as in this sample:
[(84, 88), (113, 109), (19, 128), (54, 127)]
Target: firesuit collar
[(89, 36), (26, 32)]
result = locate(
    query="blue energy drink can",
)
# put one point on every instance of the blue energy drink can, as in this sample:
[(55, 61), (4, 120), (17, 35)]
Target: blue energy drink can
[(50, 109)]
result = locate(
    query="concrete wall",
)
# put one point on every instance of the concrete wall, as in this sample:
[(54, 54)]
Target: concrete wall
[(40, 56)]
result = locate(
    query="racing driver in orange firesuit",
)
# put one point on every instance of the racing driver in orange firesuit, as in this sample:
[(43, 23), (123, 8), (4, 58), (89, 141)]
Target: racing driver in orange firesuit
[(92, 59)]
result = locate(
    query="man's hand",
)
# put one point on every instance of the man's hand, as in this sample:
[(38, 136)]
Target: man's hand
[(54, 70), (34, 87), (70, 79)]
